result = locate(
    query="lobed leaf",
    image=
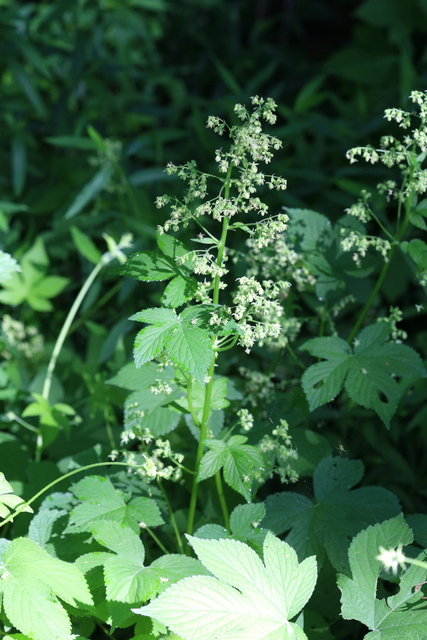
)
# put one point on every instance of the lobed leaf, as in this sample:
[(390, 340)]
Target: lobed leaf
[(367, 373), (246, 600), (309, 521), (403, 615)]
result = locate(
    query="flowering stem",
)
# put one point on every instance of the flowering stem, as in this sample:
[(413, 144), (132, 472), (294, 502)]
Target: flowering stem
[(209, 386), (384, 270)]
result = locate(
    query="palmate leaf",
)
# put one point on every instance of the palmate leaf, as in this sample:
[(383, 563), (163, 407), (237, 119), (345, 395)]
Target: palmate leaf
[(237, 460), (367, 372), (245, 600), (32, 581), (328, 523), (101, 501), (187, 345), (399, 617)]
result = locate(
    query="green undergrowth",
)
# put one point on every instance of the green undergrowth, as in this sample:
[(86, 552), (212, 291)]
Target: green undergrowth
[(255, 470)]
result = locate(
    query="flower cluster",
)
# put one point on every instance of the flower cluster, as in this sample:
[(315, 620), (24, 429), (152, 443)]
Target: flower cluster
[(246, 419), (361, 209), (16, 338), (396, 315), (249, 146), (278, 453), (160, 387), (354, 241), (404, 154)]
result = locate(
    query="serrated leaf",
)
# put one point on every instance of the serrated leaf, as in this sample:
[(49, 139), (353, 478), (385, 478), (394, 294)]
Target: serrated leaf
[(32, 582), (367, 373), (237, 459), (40, 529), (350, 510), (417, 249), (101, 501), (403, 615), (246, 600), (126, 578), (187, 346), (179, 291), (173, 567), (145, 410), (171, 246)]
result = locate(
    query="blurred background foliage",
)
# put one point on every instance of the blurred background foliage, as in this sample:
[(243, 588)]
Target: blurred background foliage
[(96, 96)]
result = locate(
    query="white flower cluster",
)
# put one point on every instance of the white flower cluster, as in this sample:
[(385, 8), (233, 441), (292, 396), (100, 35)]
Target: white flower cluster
[(151, 466), (19, 338), (361, 209), (249, 147), (278, 453), (160, 387), (270, 230), (394, 152), (360, 244), (246, 419)]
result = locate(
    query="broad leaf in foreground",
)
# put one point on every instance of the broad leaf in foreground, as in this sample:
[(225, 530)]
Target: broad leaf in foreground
[(245, 600), (350, 511), (399, 617), (367, 372), (32, 581)]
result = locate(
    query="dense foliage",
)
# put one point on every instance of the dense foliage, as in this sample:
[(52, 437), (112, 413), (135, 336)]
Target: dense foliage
[(249, 460)]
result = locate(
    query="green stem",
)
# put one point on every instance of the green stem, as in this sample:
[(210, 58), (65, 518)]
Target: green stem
[(59, 344), (222, 500), (295, 357), (190, 402), (208, 390), (66, 326), (371, 297), (172, 516), (24, 505), (156, 540), (201, 447), (23, 423)]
